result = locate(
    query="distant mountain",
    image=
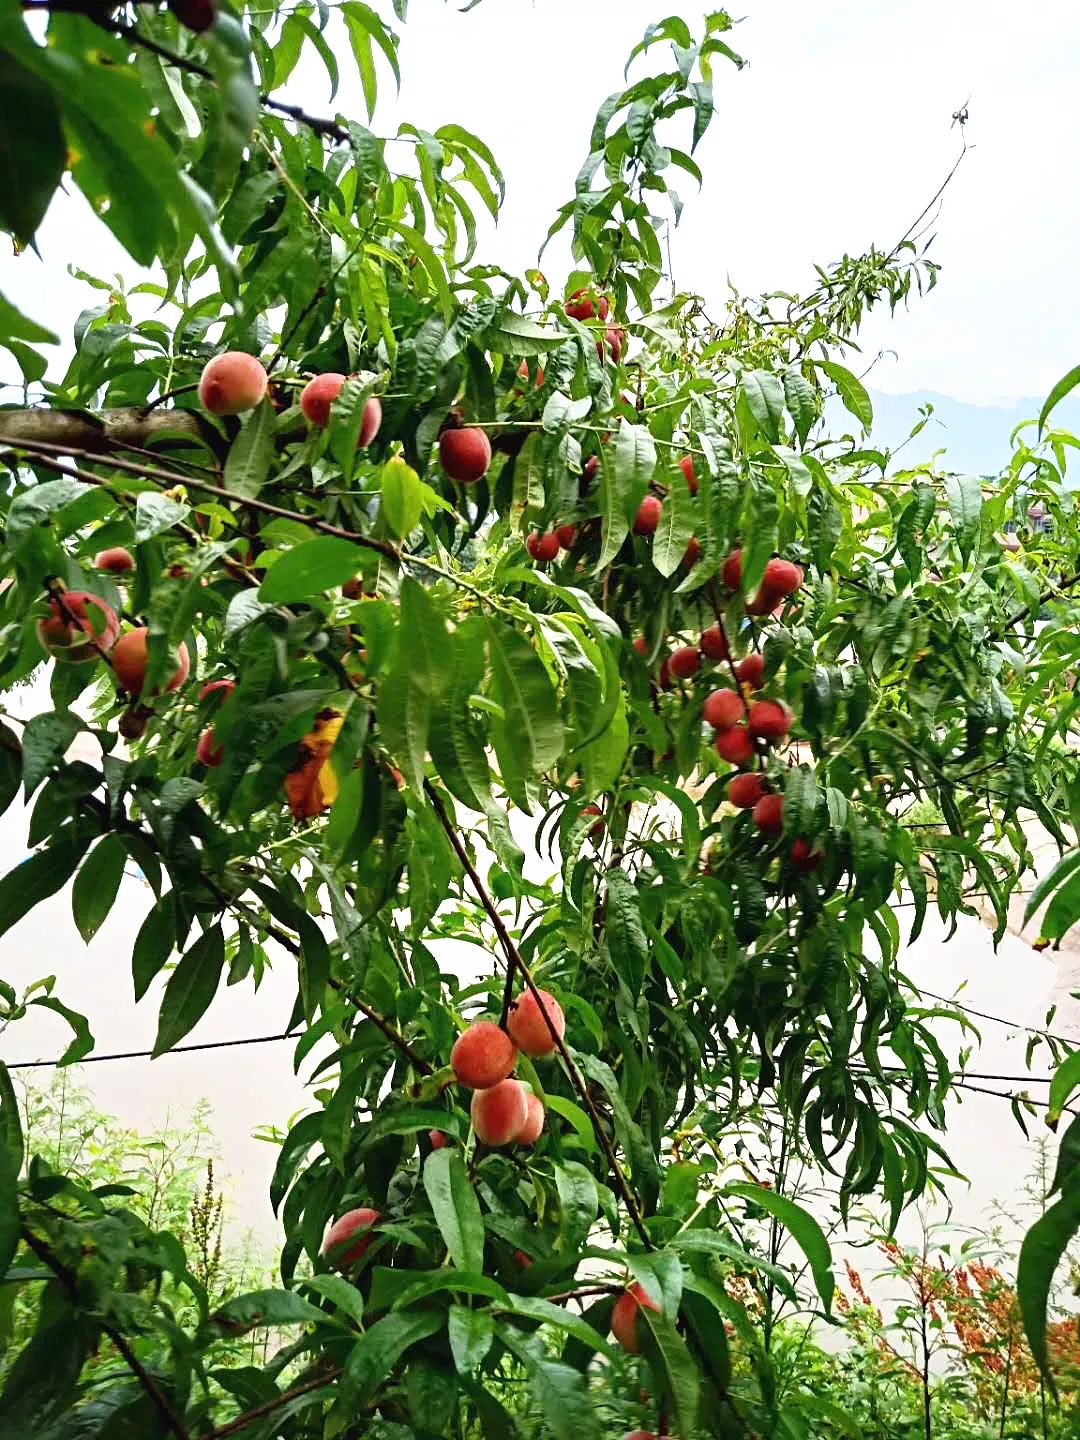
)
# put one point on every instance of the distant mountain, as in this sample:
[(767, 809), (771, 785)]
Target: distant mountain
[(975, 438)]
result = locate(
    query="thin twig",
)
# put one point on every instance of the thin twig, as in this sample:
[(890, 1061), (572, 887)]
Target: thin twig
[(269, 1406), (68, 1280), (514, 962)]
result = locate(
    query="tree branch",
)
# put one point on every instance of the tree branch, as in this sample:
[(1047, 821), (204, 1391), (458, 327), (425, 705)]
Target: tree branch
[(79, 430), (67, 1279), (514, 962), (47, 453), (269, 1406)]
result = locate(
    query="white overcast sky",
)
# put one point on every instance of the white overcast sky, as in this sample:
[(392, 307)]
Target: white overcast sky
[(834, 136)]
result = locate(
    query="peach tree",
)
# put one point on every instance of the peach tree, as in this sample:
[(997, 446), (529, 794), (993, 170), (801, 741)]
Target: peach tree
[(409, 608)]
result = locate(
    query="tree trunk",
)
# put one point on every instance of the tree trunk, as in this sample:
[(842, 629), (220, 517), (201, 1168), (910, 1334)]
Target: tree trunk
[(126, 426)]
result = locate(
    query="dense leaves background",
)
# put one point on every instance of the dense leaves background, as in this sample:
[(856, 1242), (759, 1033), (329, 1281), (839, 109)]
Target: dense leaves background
[(409, 676)]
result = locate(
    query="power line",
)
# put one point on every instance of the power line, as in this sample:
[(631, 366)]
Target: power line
[(149, 1054), (1072, 1042)]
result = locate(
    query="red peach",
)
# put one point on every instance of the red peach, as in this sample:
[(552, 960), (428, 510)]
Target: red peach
[(522, 1259), (751, 670), (782, 577), (768, 720), (641, 645), (195, 15), (499, 1112), (804, 857), (437, 1139), (731, 574), (613, 341), (92, 628), (207, 752), (581, 306), (625, 1314), (370, 421), (318, 395), (713, 643), (117, 560), (566, 536), (745, 791), (723, 709), (363, 1219), (648, 516), (685, 662), (129, 662), (465, 453), (735, 745), (231, 383), (534, 1119), (589, 469), (543, 548), (597, 830), (483, 1055), (769, 814), (215, 687), (686, 465), (528, 1028), (693, 553)]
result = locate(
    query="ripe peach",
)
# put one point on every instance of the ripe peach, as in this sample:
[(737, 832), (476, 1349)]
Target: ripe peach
[(613, 341), (129, 662), (117, 560), (362, 1219), (582, 306), (595, 833), (640, 1434), (207, 752), (566, 536), (641, 645), (437, 1139), (751, 671), (522, 1259), (782, 577), (769, 814), (684, 662), (723, 709), (731, 574), (804, 857), (483, 1055), (91, 628), (499, 1112), (534, 1119), (735, 745), (648, 516), (133, 722), (224, 688), (318, 395), (232, 383), (523, 374), (543, 548), (768, 720), (686, 465), (370, 421), (693, 552), (464, 453), (713, 643), (589, 469), (195, 15), (745, 791), (528, 1028), (625, 1314)]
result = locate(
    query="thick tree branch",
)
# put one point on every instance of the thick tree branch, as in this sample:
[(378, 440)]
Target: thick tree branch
[(514, 962), (79, 430), (67, 1279)]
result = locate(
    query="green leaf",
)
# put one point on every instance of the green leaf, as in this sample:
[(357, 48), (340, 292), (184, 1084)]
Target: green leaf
[(97, 884), (9, 1198), (341, 1294), (470, 1333), (851, 391), (578, 1204), (417, 682), (192, 986), (376, 1353), (563, 1396), (1065, 1081), (33, 152), (807, 1232), (267, 1307), (529, 737), (1040, 1254), (83, 1042), (311, 569), (764, 395), (11, 1136), (42, 875), (154, 943), (1068, 381), (666, 1351), (635, 465), (674, 531), (535, 1307), (455, 1207), (45, 741), (964, 496), (156, 513), (626, 939), (251, 453), (14, 325), (402, 497), (801, 401)]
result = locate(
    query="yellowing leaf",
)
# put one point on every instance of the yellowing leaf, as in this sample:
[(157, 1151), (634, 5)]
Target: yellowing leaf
[(311, 785)]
